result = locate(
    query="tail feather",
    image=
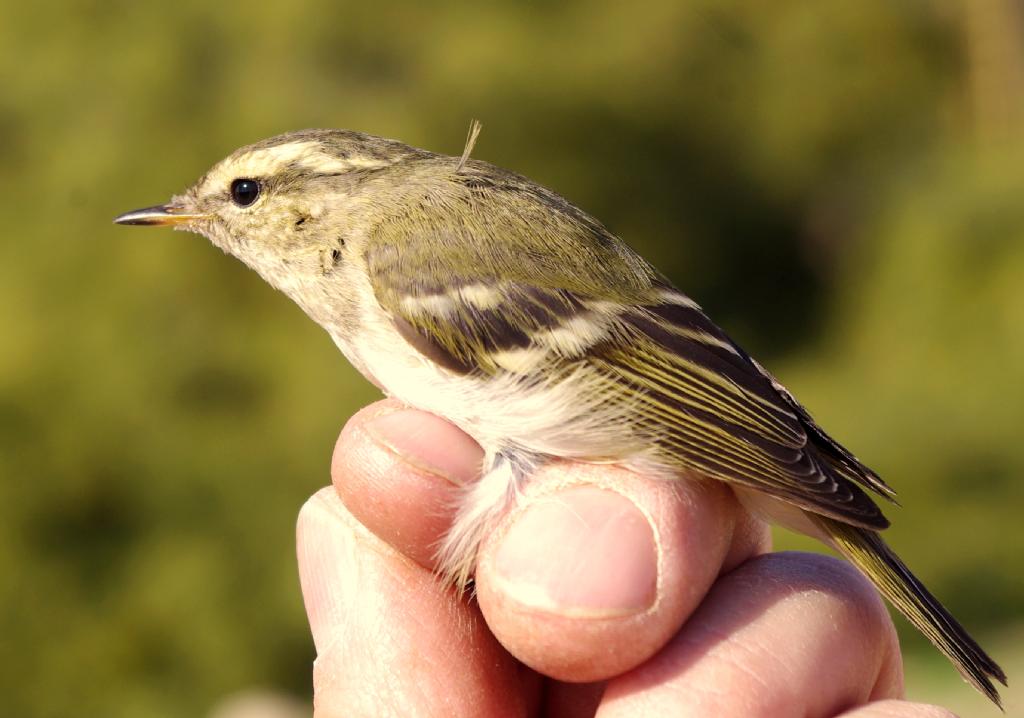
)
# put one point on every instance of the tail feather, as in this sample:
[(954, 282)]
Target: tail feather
[(868, 552)]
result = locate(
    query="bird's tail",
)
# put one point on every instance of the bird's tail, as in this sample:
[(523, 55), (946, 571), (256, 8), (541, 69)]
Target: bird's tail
[(868, 552)]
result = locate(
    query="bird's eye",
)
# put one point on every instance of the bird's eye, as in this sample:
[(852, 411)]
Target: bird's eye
[(244, 192)]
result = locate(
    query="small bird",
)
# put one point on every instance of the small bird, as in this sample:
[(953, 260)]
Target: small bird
[(470, 292)]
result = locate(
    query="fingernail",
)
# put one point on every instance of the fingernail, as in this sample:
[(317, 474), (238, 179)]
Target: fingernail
[(582, 553), (429, 444), (324, 555)]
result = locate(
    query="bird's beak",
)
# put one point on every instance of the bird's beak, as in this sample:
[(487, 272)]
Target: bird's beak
[(161, 214)]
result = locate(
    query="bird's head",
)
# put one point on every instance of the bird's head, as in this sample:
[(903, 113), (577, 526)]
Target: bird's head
[(280, 204)]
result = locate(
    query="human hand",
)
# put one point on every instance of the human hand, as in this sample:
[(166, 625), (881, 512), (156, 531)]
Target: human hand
[(605, 592)]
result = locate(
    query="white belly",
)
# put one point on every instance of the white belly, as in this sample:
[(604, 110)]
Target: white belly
[(578, 417)]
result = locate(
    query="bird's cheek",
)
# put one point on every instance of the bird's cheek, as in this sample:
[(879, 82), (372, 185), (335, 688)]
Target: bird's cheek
[(221, 235)]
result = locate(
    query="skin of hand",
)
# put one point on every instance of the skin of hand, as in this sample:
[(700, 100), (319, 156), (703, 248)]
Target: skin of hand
[(604, 593)]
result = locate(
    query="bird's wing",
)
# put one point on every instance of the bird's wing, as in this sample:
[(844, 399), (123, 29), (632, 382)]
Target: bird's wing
[(717, 410), (698, 398)]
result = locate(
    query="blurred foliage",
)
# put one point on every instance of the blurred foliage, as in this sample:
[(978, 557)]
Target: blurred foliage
[(838, 183)]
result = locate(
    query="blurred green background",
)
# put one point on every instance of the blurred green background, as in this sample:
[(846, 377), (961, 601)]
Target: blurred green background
[(840, 184)]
